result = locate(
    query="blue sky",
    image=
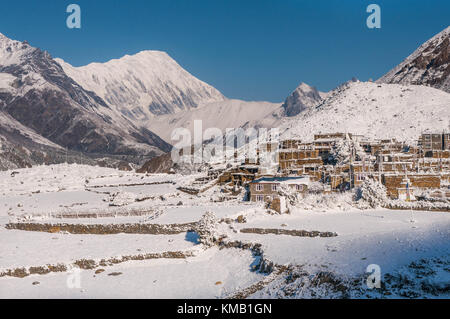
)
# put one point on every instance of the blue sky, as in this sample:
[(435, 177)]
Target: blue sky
[(248, 49)]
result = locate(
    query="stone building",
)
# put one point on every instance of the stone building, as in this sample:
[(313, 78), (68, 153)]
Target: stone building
[(266, 189)]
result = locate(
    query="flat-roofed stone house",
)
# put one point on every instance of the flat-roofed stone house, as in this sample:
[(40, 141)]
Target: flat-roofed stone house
[(266, 189)]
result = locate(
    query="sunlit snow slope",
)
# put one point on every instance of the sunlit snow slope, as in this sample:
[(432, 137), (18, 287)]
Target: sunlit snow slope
[(375, 110)]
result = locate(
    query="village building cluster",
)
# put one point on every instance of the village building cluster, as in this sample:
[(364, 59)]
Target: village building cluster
[(343, 161)]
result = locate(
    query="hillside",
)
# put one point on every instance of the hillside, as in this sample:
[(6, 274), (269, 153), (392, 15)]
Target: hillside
[(374, 110)]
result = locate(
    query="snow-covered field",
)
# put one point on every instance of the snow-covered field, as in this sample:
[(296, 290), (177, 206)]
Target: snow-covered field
[(261, 256), (214, 274)]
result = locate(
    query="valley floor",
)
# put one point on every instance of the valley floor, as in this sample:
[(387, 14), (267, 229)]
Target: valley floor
[(71, 231)]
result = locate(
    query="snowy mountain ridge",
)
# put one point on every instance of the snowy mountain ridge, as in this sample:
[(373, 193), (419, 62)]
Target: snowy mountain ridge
[(11, 51), (143, 85), (153, 91), (428, 65)]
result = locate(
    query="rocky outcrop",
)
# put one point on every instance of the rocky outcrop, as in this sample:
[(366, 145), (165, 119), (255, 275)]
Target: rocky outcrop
[(429, 65), (159, 164)]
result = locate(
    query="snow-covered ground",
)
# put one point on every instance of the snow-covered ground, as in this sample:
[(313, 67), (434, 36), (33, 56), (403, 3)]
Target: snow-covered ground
[(387, 238), (33, 249), (179, 265), (375, 111), (214, 274)]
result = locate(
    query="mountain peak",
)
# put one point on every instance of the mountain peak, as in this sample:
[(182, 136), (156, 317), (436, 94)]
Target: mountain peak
[(143, 85), (303, 97), (429, 65), (305, 87), (12, 51), (151, 52), (145, 54)]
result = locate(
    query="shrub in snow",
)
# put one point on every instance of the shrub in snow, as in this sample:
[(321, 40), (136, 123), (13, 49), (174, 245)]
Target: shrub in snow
[(290, 194), (344, 148), (325, 202), (373, 193), (431, 195), (207, 229), (316, 188)]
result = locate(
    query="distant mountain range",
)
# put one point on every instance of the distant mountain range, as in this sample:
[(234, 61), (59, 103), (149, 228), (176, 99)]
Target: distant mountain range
[(127, 108), (36, 92)]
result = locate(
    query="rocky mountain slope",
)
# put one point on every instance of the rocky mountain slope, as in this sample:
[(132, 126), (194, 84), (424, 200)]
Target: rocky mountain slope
[(144, 85), (428, 65), (303, 97), (22, 147), (35, 91)]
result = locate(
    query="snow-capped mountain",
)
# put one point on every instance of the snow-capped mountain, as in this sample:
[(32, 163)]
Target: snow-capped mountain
[(122, 107), (144, 85), (428, 65), (303, 97), (152, 90), (376, 111), (35, 91)]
